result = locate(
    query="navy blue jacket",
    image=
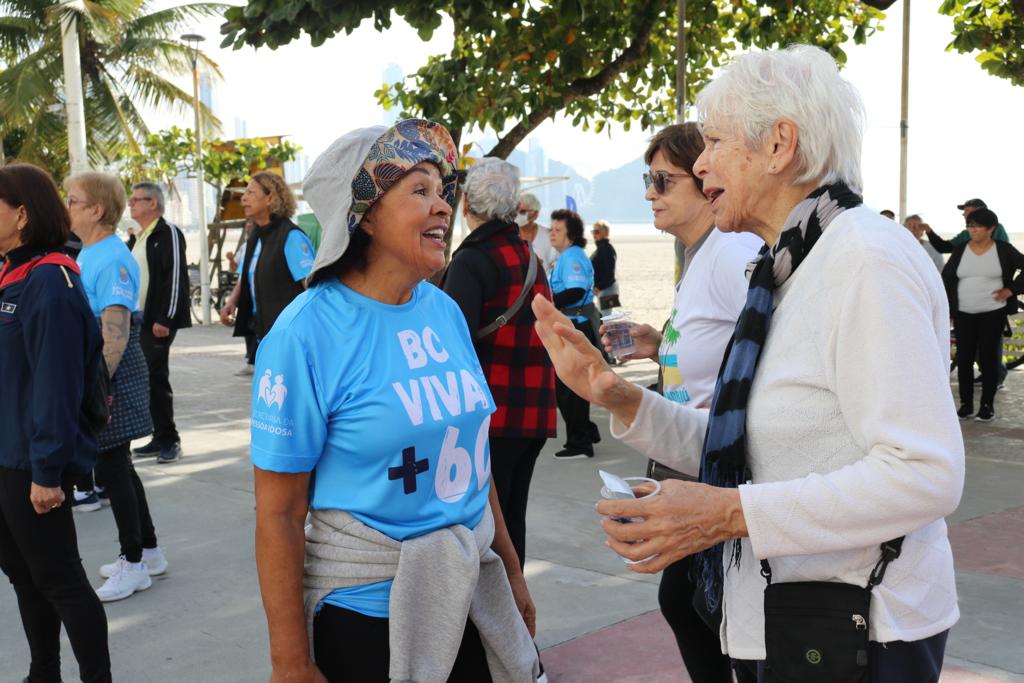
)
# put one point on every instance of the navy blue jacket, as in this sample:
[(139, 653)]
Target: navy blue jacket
[(50, 346)]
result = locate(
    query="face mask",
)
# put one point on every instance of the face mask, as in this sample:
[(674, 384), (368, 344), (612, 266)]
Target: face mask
[(522, 219)]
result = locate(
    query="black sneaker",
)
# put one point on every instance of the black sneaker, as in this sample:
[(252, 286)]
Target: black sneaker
[(150, 449), (985, 414), (573, 454), (169, 454), (966, 412)]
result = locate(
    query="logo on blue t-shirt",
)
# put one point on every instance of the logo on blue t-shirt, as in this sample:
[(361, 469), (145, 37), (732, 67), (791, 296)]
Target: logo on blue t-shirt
[(8, 308), (122, 275), (272, 395)]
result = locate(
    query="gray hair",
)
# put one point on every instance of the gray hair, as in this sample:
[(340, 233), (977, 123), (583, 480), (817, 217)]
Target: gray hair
[(153, 191), (492, 189), (801, 83), (530, 200)]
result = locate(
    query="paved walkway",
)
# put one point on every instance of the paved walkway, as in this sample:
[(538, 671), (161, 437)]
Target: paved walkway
[(597, 621)]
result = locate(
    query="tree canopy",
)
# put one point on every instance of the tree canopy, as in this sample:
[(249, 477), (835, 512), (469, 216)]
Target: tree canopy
[(992, 28), (513, 65), (128, 49)]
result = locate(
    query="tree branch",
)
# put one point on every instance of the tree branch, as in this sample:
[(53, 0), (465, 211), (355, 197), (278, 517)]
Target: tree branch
[(581, 87)]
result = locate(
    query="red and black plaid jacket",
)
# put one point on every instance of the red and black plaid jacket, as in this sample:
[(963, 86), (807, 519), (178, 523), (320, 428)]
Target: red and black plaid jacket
[(485, 276)]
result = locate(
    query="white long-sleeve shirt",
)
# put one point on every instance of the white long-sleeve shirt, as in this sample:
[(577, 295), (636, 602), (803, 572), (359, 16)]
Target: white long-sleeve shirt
[(852, 436)]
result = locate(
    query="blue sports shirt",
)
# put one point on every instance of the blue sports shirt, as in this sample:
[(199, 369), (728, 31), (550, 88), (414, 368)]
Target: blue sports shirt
[(388, 407), (572, 270), (298, 253), (110, 275)]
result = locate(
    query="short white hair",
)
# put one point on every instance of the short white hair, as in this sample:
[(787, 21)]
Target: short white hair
[(801, 83), (492, 189), (530, 201)]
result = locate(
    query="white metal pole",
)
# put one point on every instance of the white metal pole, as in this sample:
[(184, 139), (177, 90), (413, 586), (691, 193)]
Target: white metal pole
[(73, 100), (904, 110), (680, 61), (204, 246)]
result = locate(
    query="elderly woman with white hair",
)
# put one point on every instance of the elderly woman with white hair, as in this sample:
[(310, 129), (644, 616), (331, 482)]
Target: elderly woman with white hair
[(371, 413), (493, 276), (818, 518)]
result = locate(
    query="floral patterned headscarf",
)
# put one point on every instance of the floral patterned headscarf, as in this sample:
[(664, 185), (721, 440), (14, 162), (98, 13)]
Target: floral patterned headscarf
[(359, 167), (407, 143)]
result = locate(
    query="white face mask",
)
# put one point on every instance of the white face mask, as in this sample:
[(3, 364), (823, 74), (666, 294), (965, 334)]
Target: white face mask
[(522, 219)]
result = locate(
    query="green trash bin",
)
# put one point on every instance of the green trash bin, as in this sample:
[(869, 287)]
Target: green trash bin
[(311, 226)]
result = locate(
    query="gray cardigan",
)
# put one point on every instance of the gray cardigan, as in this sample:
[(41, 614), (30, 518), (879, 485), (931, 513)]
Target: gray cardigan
[(439, 579)]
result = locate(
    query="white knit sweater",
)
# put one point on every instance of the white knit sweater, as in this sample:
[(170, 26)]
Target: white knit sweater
[(852, 436)]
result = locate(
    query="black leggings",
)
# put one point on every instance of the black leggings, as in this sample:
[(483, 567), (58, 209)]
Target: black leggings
[(698, 644), (39, 554), (978, 335), (512, 462), (349, 646), (127, 501), (580, 432)]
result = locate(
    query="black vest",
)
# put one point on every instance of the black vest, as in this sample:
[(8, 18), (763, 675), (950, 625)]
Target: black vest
[(275, 287)]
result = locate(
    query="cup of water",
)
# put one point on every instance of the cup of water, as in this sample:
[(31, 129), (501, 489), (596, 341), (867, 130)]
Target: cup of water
[(617, 326), (620, 488)]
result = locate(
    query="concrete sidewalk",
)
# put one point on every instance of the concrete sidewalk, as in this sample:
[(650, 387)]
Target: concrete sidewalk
[(597, 621)]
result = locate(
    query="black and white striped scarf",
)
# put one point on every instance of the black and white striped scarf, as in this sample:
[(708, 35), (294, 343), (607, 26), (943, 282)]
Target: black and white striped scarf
[(724, 458)]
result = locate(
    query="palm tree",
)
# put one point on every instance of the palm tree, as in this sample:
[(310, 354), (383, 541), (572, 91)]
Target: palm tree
[(128, 51)]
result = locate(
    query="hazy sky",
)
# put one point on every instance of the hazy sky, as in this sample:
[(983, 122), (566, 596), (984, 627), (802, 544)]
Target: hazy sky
[(965, 126)]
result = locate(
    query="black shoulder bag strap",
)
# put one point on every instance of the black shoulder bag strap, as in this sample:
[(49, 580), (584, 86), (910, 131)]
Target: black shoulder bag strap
[(890, 551), (502, 320)]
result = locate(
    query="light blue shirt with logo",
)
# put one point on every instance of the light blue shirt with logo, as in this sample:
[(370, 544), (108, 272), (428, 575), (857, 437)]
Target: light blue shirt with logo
[(573, 270), (298, 253), (388, 407), (110, 275)]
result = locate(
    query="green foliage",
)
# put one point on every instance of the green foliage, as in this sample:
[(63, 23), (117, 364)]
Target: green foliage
[(514, 64), (167, 153), (992, 28), (127, 50)]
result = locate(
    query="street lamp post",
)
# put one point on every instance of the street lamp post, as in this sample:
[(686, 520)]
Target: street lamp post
[(193, 40), (73, 100)]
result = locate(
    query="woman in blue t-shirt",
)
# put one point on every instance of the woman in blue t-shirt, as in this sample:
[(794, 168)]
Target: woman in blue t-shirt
[(572, 284), (110, 276), (371, 414)]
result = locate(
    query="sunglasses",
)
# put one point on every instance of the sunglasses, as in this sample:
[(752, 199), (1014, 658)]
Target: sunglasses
[(660, 180)]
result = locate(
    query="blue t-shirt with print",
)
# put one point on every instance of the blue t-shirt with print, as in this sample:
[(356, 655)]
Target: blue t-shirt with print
[(388, 407), (573, 270), (110, 275), (298, 253)]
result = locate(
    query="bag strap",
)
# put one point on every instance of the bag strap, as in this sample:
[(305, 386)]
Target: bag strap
[(10, 276), (502, 320), (890, 551)]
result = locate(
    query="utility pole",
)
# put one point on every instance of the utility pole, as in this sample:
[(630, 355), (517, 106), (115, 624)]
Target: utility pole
[(193, 40), (73, 99), (904, 110)]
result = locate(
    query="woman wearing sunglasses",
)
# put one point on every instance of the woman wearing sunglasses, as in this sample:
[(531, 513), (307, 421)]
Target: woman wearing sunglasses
[(709, 297)]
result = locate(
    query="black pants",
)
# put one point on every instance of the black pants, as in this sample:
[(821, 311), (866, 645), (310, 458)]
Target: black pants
[(251, 343), (349, 646), (698, 644), (39, 554), (161, 397), (919, 661), (580, 432), (127, 501), (978, 335), (512, 462)]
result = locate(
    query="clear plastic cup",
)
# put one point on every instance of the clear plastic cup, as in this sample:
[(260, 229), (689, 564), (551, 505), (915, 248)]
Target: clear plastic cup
[(617, 326), (633, 482)]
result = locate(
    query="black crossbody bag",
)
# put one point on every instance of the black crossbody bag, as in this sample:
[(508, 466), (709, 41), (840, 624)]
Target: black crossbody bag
[(817, 631)]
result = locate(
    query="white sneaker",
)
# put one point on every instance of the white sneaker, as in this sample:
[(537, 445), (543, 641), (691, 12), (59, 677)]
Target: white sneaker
[(155, 561), (126, 580), (152, 558)]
